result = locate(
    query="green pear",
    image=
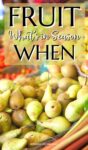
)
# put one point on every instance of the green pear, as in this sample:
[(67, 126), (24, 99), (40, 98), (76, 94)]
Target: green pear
[(35, 137), (43, 86), (53, 109), (83, 81), (20, 118), (45, 76), (53, 82), (57, 124), (64, 100), (42, 118), (6, 94), (5, 122), (77, 108), (82, 92), (58, 92), (27, 101), (6, 84), (69, 70), (4, 98), (74, 111), (9, 135), (1, 92), (8, 110), (54, 69), (37, 80), (54, 96), (14, 144), (65, 83), (73, 90), (16, 99), (39, 93), (26, 129), (34, 109), (48, 132), (16, 86), (28, 91), (48, 96)]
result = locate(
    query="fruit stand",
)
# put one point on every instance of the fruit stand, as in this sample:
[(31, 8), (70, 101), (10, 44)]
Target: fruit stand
[(34, 111)]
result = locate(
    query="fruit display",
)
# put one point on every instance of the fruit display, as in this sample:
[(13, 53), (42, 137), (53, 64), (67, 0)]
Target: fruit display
[(37, 109)]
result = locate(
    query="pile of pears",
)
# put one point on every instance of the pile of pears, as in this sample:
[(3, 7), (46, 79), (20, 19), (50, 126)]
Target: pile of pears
[(35, 109)]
